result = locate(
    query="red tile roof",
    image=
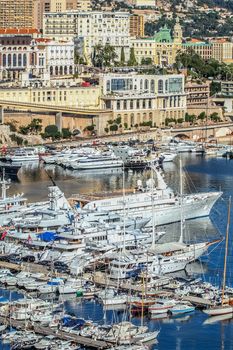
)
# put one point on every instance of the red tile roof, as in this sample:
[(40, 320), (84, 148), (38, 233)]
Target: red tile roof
[(19, 31)]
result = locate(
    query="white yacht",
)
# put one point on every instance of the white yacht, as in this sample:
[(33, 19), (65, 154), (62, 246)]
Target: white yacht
[(9, 206), (162, 259), (166, 205), (98, 162), (55, 213), (24, 155)]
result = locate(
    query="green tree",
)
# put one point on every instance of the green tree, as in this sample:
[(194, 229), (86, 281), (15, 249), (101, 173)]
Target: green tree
[(189, 118), (35, 125), (146, 61), (122, 59), (113, 127), (215, 117), (132, 58), (118, 120), (24, 130), (66, 133), (52, 131), (202, 116), (104, 56), (106, 130)]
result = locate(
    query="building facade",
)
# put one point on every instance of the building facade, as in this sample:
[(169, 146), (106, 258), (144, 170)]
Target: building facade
[(16, 13), (20, 53), (93, 28), (138, 99), (136, 26), (59, 56), (161, 49), (197, 94)]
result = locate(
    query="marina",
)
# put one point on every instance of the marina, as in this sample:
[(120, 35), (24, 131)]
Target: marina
[(67, 251)]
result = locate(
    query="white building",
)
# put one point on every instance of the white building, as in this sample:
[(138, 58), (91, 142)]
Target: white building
[(93, 28), (137, 98), (59, 56)]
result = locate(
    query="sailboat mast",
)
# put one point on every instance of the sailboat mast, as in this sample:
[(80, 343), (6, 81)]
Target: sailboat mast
[(226, 250), (123, 206), (181, 205), (153, 210)]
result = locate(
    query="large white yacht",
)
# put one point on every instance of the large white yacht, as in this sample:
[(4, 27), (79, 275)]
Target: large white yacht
[(98, 162), (166, 205), (162, 259)]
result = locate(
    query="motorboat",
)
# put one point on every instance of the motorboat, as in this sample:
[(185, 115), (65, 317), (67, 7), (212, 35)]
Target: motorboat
[(24, 155), (98, 162), (179, 309), (161, 306)]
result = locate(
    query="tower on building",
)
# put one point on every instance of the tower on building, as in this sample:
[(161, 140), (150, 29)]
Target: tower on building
[(177, 32)]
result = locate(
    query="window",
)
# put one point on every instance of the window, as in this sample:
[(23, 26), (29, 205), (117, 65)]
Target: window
[(152, 86), (4, 60), (24, 59), (141, 84), (132, 119), (20, 60), (160, 86), (108, 86), (131, 104), (118, 105), (125, 104), (9, 60), (14, 60), (149, 103), (146, 85)]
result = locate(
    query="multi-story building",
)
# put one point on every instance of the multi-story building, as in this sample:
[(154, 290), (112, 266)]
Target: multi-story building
[(59, 56), (16, 13), (40, 7), (45, 6), (84, 5), (218, 49), (60, 25), (136, 26), (197, 93), (92, 27), (22, 52), (143, 98), (222, 50), (161, 49), (19, 53)]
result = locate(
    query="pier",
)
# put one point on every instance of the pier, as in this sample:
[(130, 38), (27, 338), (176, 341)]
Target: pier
[(22, 325)]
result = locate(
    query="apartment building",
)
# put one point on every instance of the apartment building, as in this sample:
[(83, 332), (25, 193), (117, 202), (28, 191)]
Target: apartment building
[(93, 28), (136, 26), (16, 13)]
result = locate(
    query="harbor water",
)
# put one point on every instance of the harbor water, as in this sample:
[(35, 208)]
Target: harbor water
[(191, 331)]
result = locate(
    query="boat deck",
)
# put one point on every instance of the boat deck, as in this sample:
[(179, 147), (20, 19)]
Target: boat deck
[(87, 198), (197, 301)]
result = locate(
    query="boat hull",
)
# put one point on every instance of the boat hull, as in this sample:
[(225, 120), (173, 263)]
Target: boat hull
[(217, 311)]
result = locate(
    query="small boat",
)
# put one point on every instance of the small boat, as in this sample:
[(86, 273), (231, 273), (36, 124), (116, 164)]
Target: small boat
[(161, 307), (146, 337), (3, 327), (179, 309)]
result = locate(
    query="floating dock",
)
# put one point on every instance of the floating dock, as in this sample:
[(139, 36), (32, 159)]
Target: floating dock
[(80, 340)]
